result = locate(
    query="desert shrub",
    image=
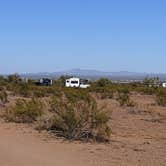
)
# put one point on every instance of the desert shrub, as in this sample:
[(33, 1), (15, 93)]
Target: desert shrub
[(61, 81), (103, 82), (124, 99), (103, 88), (3, 97), (151, 82), (39, 93), (56, 92), (74, 95), (3, 81), (23, 90), (14, 78), (123, 90), (107, 94), (45, 122), (148, 90), (161, 97), (24, 111), (131, 103), (104, 92), (44, 91), (79, 120)]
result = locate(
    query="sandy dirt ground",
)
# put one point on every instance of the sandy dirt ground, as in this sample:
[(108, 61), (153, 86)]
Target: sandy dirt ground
[(138, 139)]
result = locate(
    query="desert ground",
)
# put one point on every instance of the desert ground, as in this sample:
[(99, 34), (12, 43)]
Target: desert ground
[(138, 139)]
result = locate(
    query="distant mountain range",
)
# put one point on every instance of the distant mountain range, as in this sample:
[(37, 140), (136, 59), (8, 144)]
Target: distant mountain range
[(95, 74)]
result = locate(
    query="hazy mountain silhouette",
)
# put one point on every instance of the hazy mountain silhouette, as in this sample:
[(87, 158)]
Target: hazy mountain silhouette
[(95, 74)]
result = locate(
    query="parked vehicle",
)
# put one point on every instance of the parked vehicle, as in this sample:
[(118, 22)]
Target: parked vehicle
[(76, 82), (45, 81), (164, 84)]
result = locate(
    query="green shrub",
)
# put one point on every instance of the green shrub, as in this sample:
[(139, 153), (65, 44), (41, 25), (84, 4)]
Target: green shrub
[(61, 81), (24, 111), (14, 78), (23, 90), (123, 90), (105, 93), (148, 90), (38, 93), (74, 95), (103, 82), (161, 97), (77, 120), (124, 100), (3, 81), (3, 96)]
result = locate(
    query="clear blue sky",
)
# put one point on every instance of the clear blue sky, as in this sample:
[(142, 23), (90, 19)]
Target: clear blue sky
[(108, 35)]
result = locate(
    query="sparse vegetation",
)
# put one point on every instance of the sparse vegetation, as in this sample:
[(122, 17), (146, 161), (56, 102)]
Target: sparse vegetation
[(161, 97), (72, 113), (24, 111), (103, 82), (78, 120), (124, 100), (3, 97)]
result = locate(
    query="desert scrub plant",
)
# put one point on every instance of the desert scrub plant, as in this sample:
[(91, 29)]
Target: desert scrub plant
[(43, 91), (3, 81), (161, 97), (3, 97), (124, 99), (106, 93), (103, 92), (79, 120), (39, 93), (148, 90), (24, 111), (14, 78), (74, 95), (61, 80), (23, 89), (103, 82)]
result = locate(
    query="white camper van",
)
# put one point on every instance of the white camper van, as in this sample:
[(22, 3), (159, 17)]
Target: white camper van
[(76, 82), (164, 85), (73, 82)]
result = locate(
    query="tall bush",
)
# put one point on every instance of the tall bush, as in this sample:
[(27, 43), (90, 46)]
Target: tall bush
[(161, 97), (24, 111), (79, 120)]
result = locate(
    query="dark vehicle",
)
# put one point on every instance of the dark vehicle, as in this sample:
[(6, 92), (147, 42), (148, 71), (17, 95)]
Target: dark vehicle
[(45, 82)]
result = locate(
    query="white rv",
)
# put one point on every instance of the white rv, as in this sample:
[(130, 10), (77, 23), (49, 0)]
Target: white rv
[(76, 82), (164, 85)]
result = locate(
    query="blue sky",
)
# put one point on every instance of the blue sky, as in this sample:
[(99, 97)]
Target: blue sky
[(108, 35)]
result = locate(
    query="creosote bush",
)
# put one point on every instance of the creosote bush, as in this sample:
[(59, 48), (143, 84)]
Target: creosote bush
[(75, 95), (3, 97), (105, 93), (108, 94), (77, 120), (24, 111), (161, 97), (103, 89), (124, 99), (103, 82)]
